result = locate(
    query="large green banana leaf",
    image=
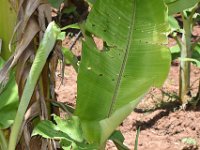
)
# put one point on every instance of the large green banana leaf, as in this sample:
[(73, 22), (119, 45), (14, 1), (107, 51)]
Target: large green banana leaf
[(176, 6), (111, 82)]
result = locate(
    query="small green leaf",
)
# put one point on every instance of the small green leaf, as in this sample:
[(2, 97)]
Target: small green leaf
[(48, 130), (61, 36), (68, 131), (55, 3), (70, 126), (196, 53), (70, 57), (191, 60), (174, 26), (8, 102), (64, 107), (118, 140), (65, 144), (189, 141), (117, 135), (70, 145), (176, 6), (63, 129), (196, 17), (71, 26), (175, 51)]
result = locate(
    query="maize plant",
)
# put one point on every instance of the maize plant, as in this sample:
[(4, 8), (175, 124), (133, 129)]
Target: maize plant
[(189, 51)]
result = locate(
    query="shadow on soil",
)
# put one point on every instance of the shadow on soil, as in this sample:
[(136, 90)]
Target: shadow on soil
[(164, 110)]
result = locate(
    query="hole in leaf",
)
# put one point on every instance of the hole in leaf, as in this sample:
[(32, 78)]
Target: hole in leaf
[(99, 43), (100, 74)]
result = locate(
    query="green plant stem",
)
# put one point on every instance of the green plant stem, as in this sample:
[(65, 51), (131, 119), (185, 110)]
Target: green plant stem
[(186, 52), (136, 139), (3, 141)]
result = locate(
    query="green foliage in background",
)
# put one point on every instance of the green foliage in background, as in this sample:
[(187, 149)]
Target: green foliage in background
[(176, 6), (56, 3), (68, 131), (185, 48), (8, 21), (8, 101)]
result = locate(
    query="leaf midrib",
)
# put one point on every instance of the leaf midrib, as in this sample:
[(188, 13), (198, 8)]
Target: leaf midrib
[(119, 79)]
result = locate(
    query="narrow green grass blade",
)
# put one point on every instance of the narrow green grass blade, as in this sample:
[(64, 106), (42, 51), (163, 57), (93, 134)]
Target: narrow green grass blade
[(136, 139)]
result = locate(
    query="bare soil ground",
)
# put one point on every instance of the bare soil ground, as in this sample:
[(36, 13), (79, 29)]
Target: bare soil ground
[(163, 124)]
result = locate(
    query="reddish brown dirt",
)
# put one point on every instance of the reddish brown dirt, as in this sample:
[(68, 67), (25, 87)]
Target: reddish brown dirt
[(161, 129), (163, 124)]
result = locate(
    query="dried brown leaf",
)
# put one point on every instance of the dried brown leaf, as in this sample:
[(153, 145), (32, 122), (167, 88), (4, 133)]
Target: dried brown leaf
[(44, 14), (31, 31)]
